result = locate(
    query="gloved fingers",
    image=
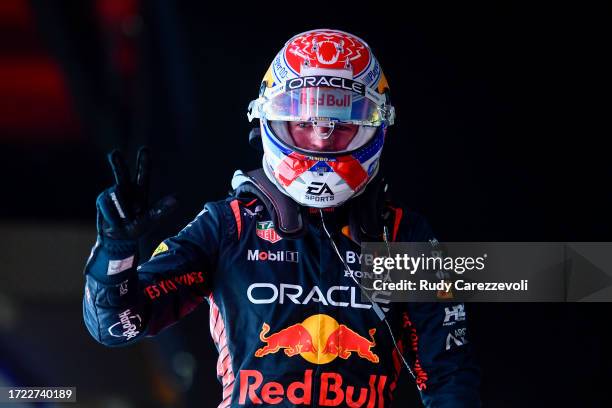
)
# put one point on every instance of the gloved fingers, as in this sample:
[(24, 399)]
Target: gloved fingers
[(143, 173), (109, 210), (123, 209), (120, 168), (162, 208)]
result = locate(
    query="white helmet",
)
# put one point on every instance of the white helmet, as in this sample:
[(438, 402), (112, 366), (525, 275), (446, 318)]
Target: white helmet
[(324, 112)]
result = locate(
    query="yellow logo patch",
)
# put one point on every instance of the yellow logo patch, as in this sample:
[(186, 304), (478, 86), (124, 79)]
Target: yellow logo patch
[(162, 247)]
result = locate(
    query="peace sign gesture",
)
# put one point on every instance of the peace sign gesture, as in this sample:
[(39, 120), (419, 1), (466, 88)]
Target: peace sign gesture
[(123, 209)]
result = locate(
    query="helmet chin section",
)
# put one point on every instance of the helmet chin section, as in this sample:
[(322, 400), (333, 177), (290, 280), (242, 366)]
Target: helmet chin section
[(319, 182)]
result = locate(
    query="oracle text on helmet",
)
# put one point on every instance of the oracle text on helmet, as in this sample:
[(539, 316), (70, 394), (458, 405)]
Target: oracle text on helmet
[(325, 81)]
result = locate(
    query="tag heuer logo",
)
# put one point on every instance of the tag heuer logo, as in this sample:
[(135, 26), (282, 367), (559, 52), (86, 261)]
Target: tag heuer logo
[(266, 231)]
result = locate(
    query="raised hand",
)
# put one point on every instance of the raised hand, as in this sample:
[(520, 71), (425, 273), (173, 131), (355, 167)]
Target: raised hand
[(123, 209)]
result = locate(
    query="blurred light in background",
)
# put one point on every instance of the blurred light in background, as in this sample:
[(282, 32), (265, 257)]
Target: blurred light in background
[(184, 364), (35, 104)]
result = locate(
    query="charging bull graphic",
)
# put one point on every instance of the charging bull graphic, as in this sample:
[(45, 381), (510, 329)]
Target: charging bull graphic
[(319, 339), (344, 341), (294, 340)]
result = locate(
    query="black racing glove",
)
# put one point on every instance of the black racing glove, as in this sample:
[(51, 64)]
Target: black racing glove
[(124, 212)]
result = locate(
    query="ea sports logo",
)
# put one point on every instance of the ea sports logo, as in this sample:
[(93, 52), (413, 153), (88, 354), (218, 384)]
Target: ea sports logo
[(317, 188), (328, 49)]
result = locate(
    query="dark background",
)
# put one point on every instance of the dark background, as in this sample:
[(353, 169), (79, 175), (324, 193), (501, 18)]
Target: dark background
[(503, 121)]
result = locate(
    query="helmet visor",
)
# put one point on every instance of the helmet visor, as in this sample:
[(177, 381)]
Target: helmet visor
[(322, 103), (318, 137)]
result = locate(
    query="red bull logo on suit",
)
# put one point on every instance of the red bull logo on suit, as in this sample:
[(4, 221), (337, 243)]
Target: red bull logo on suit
[(332, 391), (319, 339)]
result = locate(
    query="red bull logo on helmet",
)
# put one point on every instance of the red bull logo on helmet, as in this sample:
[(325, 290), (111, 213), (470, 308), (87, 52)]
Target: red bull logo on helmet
[(319, 339)]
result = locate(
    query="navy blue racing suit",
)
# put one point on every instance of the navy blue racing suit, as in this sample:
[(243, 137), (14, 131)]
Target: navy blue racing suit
[(285, 315)]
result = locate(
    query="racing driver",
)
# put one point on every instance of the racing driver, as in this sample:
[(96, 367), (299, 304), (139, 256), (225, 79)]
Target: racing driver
[(278, 261)]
